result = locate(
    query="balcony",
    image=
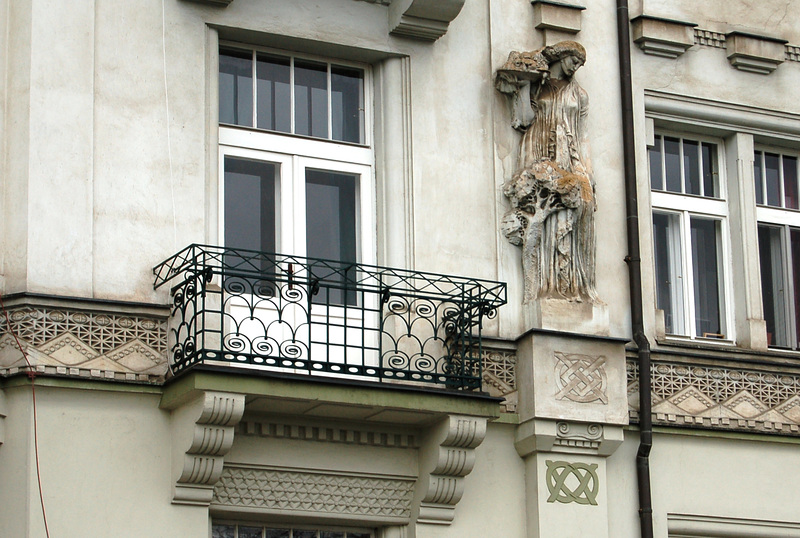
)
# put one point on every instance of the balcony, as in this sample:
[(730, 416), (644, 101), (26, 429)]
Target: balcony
[(295, 315)]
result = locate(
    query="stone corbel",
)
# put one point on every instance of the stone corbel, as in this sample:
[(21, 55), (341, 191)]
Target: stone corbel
[(755, 53), (449, 451), (550, 15), (662, 37), (422, 19), (206, 424)]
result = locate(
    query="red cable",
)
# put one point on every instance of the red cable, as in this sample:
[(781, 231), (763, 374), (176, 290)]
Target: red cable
[(32, 376)]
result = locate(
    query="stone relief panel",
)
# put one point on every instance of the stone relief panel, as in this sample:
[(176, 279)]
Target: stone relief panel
[(328, 493), (581, 378), (552, 193), (720, 397), (84, 343), (500, 377), (572, 482), (578, 436)]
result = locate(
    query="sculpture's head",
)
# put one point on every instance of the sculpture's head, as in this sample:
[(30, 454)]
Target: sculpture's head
[(571, 54)]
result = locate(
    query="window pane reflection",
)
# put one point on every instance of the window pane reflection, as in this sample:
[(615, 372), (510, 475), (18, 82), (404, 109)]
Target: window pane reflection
[(223, 531), (691, 166), (672, 164), (347, 90), (790, 182), (771, 167), (274, 95), (236, 88), (669, 287), (250, 203), (773, 287), (654, 154), (311, 98), (706, 273)]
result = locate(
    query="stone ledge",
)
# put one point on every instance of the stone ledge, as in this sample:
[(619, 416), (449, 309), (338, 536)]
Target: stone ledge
[(755, 53), (549, 15)]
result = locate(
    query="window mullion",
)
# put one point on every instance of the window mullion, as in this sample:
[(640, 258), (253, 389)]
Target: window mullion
[(330, 103), (254, 76), (688, 275), (682, 165), (781, 179), (663, 158), (291, 96), (788, 285)]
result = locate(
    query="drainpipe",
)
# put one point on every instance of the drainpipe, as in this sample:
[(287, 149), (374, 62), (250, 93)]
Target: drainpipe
[(634, 262)]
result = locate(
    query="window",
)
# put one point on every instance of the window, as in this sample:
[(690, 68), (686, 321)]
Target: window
[(250, 530), (689, 227), (295, 161), (776, 187)]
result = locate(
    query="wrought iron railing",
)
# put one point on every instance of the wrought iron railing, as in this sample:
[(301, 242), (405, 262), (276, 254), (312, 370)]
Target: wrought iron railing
[(303, 315)]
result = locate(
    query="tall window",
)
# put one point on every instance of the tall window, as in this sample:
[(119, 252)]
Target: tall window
[(294, 156), (251, 530), (689, 227), (776, 186)]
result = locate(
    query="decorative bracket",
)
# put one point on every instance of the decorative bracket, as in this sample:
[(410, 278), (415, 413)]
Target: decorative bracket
[(422, 19), (662, 37), (450, 452), (210, 421), (755, 53)]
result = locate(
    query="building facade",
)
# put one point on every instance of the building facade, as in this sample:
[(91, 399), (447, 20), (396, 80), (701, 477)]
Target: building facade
[(393, 268)]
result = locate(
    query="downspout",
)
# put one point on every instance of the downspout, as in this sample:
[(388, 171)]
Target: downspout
[(634, 262)]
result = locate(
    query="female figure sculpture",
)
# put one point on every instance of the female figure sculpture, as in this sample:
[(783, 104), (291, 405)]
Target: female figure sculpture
[(552, 193)]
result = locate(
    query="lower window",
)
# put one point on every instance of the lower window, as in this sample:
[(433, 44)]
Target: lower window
[(779, 256), (249, 530)]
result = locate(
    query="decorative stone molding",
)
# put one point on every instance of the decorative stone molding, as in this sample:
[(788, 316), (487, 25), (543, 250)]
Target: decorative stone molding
[(792, 53), (328, 434), (755, 53), (373, 498), (572, 482), (212, 437), (426, 20), (500, 376), (720, 397), (713, 526), (84, 343), (450, 454), (662, 37), (550, 15), (581, 378), (707, 38), (567, 437), (220, 3)]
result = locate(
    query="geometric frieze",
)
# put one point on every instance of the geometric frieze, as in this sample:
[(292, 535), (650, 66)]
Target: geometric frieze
[(328, 434), (720, 397), (322, 493), (572, 482), (84, 343), (499, 372), (580, 378)]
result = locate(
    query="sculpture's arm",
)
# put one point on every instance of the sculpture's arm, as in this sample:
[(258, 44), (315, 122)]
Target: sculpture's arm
[(518, 90)]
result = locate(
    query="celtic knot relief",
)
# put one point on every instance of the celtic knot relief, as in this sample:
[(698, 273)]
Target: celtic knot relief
[(572, 482), (322, 493), (581, 378)]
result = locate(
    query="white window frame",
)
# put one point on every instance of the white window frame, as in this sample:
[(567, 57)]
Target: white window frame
[(686, 206), (784, 219)]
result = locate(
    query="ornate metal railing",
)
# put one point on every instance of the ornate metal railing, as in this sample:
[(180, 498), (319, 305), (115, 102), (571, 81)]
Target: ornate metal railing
[(303, 315)]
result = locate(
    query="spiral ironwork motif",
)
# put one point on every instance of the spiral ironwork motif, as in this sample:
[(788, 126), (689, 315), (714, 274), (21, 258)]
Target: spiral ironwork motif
[(235, 342), (235, 286)]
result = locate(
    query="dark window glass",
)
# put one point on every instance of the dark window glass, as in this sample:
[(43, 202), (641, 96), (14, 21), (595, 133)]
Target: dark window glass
[(223, 531), (236, 88), (304, 534), (710, 183), (691, 166), (347, 90), (331, 227), (662, 229), (773, 288), (332, 534), (311, 98), (654, 157), (772, 169), (250, 204), (672, 162), (277, 533), (250, 532), (274, 95), (758, 175), (794, 240), (790, 182), (705, 256)]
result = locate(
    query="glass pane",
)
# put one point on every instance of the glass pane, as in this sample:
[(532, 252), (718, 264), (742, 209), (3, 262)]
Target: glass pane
[(707, 278), (250, 204), (222, 531), (672, 162), (790, 182), (691, 166), (331, 225), (277, 533), (250, 532), (311, 98), (794, 239), (773, 288), (331, 534), (347, 104), (274, 96), (710, 176), (669, 281), (304, 534), (654, 157), (359, 535), (771, 167), (758, 175), (236, 88)]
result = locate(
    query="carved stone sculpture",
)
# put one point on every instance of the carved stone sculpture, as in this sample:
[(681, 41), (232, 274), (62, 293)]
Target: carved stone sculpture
[(552, 192)]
